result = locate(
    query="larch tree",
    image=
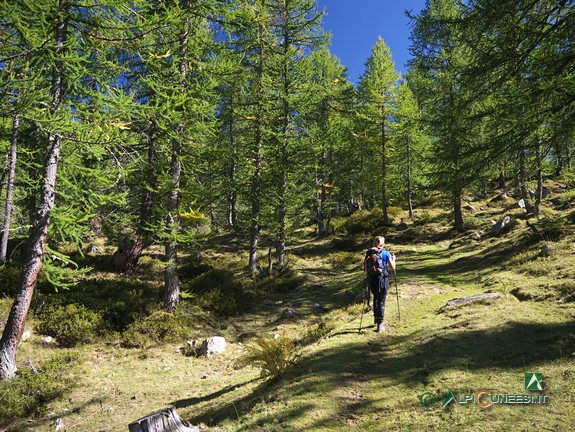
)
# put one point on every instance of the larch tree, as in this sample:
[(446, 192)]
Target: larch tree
[(410, 142), (297, 32), (326, 135), (377, 91), (60, 37), (438, 55)]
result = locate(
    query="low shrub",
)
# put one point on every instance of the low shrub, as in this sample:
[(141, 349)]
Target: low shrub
[(70, 324), (347, 243), (549, 229), (317, 331), (285, 280), (342, 259), (219, 291), (394, 212), (273, 356), (567, 198), (28, 393), (159, 327), (472, 222), (363, 221)]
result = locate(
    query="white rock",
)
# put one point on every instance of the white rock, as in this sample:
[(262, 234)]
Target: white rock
[(213, 345), (26, 335)]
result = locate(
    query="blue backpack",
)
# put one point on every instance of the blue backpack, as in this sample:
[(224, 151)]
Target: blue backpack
[(373, 261)]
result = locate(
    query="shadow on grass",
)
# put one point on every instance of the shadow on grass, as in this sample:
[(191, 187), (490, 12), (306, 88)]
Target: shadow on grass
[(330, 372), (438, 264), (183, 403)]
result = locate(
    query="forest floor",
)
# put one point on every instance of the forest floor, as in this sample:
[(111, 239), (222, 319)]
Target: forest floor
[(359, 380)]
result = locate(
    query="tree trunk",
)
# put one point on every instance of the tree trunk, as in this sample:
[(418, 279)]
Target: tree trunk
[(539, 193), (502, 184), (322, 230), (172, 282), (32, 198), (232, 196), (172, 285), (383, 169), (146, 211), (257, 181), (559, 156), (39, 231), (458, 215), (166, 420), (523, 180), (9, 189), (282, 210), (409, 192), (256, 200)]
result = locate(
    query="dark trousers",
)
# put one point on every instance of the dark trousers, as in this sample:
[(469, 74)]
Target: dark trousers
[(379, 286)]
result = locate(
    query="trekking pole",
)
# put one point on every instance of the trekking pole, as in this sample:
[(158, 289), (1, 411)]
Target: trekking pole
[(397, 295), (363, 306)]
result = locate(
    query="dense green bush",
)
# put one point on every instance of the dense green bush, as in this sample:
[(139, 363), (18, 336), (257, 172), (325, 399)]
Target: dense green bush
[(219, 291), (28, 393), (70, 324), (283, 281), (342, 259), (159, 327), (363, 221), (118, 301), (347, 243), (394, 212), (549, 229)]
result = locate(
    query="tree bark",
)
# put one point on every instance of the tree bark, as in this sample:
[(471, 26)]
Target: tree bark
[(39, 231), (523, 179), (256, 200), (409, 192), (232, 196), (539, 193), (166, 420), (146, 211), (320, 217), (256, 181), (459, 225), (383, 168), (9, 189), (502, 183), (172, 282)]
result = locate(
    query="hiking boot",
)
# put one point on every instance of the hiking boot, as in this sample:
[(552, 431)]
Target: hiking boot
[(380, 328)]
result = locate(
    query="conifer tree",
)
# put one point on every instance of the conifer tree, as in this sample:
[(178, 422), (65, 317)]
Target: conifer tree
[(327, 131), (377, 92), (439, 54), (297, 32), (410, 142), (61, 48)]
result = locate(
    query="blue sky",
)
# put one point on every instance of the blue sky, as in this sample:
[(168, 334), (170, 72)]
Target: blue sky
[(356, 24)]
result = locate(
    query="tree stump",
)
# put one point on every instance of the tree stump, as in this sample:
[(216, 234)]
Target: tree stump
[(166, 420)]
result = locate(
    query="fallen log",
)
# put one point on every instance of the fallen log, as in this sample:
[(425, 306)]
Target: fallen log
[(166, 420), (471, 299)]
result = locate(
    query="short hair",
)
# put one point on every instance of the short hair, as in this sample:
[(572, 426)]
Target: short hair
[(378, 241)]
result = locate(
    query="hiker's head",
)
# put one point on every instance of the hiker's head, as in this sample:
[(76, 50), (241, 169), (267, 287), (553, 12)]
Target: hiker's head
[(378, 241)]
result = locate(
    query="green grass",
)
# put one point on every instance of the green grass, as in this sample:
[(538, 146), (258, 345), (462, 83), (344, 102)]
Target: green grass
[(343, 379)]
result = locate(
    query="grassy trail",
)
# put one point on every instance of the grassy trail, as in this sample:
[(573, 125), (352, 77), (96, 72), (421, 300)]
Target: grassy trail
[(350, 380), (369, 381)]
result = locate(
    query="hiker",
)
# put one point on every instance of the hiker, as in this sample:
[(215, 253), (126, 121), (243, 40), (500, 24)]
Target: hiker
[(375, 265)]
